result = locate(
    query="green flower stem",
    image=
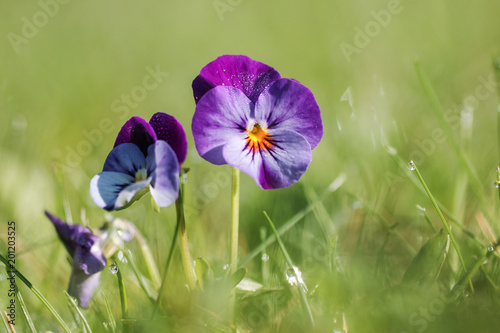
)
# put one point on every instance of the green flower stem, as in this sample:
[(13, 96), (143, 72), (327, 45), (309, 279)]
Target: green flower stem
[(235, 214), (187, 262), (441, 216), (37, 294), (167, 265), (235, 222), (123, 298)]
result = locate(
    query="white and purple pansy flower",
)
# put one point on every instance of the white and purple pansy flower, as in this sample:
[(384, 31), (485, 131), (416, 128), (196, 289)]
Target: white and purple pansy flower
[(88, 258), (146, 157), (249, 117)]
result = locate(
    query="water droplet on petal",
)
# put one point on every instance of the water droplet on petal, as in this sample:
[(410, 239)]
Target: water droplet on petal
[(411, 166), (113, 268)]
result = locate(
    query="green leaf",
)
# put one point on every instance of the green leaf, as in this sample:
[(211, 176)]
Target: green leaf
[(237, 277), (203, 272), (426, 265)]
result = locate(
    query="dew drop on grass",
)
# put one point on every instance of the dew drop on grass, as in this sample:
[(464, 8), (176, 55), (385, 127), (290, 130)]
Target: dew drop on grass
[(496, 184), (421, 210), (113, 268), (265, 257), (491, 248), (411, 166), (122, 257)]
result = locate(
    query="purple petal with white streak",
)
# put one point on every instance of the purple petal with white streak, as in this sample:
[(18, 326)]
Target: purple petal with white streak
[(163, 167)]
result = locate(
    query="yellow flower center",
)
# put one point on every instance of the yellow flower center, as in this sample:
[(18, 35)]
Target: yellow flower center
[(141, 174), (258, 138)]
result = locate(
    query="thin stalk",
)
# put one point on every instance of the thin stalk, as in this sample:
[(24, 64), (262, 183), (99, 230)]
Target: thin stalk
[(235, 223), (187, 262), (441, 216), (438, 112), (77, 309), (25, 311), (167, 265), (496, 66), (235, 214), (123, 298), (334, 186), (37, 294), (140, 279), (148, 257), (8, 325), (303, 297)]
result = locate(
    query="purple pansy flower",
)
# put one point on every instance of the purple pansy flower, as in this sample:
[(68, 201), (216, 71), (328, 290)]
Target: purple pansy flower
[(250, 118), (88, 258), (146, 156)]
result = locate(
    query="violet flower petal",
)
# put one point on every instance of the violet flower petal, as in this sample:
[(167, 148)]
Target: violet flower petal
[(277, 167), (136, 130), (169, 129), (239, 71), (115, 190), (287, 104), (88, 258), (163, 167), (82, 286), (126, 158), (222, 113)]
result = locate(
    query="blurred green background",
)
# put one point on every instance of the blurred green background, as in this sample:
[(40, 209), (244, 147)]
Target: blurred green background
[(66, 68)]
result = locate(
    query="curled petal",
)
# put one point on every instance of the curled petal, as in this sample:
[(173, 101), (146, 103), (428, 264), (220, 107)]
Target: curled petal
[(115, 190), (288, 105), (126, 158), (136, 130), (73, 236), (164, 169), (222, 113), (239, 71), (278, 166), (169, 129)]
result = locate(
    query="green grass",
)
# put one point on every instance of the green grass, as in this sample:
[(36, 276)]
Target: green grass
[(352, 243)]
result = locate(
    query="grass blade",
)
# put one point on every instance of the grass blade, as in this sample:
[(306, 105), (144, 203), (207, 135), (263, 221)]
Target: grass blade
[(438, 112), (111, 318), (80, 314), (38, 294), (294, 220), (25, 311), (303, 297), (441, 216)]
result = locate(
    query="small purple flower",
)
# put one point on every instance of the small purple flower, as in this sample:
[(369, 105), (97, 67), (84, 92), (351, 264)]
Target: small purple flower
[(250, 118), (146, 156), (88, 258)]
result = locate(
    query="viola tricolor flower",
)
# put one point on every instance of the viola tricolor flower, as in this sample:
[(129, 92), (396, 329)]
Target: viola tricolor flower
[(88, 258), (146, 156), (249, 117)]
